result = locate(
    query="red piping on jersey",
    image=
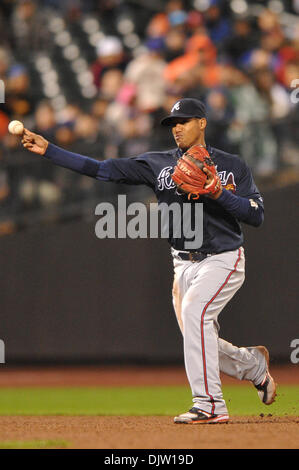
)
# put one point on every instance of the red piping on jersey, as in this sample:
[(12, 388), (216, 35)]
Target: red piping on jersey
[(202, 331)]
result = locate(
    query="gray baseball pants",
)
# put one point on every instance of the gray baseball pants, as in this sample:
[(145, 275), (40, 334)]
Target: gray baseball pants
[(200, 292)]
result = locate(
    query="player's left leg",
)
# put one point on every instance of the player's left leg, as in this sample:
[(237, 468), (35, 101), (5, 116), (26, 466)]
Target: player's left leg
[(241, 363), (248, 363), (212, 283)]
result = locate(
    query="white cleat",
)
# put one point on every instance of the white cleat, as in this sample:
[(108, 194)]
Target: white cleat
[(196, 416), (267, 388)]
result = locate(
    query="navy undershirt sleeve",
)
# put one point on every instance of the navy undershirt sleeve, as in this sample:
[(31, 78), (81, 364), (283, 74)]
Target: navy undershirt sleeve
[(246, 204), (120, 170), (73, 161), (245, 210), (134, 170)]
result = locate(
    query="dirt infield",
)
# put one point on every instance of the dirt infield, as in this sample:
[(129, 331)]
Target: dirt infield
[(153, 432), (118, 376)]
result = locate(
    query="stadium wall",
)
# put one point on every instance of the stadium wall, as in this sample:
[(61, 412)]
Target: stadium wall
[(67, 296)]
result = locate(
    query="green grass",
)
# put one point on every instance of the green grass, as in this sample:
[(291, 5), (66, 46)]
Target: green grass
[(34, 444), (136, 401)]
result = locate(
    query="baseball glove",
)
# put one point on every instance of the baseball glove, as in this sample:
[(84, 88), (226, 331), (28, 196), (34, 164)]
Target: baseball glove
[(189, 176)]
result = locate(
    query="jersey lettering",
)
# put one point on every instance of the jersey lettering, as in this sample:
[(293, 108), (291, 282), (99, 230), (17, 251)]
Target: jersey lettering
[(227, 180), (164, 179)]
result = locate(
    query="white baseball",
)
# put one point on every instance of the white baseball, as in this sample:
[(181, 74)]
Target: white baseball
[(16, 127)]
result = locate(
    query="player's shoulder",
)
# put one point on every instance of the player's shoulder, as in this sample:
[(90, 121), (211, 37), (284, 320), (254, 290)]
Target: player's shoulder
[(156, 153), (154, 158), (219, 153), (228, 159)]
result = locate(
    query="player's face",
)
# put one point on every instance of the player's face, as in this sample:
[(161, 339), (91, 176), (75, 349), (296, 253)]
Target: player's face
[(188, 132)]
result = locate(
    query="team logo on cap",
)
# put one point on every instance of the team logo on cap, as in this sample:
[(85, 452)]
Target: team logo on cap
[(176, 107)]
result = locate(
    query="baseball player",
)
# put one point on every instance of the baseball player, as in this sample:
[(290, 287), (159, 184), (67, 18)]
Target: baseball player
[(208, 276)]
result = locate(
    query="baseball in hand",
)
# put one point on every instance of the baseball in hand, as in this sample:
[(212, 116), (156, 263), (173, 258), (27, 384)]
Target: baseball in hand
[(16, 127)]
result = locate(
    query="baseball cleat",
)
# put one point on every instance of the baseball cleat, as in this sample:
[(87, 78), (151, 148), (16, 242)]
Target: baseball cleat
[(267, 388), (196, 416)]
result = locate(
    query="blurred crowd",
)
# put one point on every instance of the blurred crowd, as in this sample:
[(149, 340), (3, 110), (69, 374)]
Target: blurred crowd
[(241, 58)]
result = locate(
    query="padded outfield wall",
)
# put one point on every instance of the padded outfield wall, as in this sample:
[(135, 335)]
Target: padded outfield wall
[(67, 296)]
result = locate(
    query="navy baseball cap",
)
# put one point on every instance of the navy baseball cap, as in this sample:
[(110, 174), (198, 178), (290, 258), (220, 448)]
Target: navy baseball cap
[(185, 108)]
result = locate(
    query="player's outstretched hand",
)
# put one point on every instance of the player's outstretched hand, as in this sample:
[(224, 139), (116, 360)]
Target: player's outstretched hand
[(34, 142), (210, 182)]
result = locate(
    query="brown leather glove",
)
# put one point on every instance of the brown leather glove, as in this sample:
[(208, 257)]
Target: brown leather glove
[(189, 175)]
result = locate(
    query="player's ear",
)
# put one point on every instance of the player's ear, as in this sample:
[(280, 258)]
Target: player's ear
[(202, 123)]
